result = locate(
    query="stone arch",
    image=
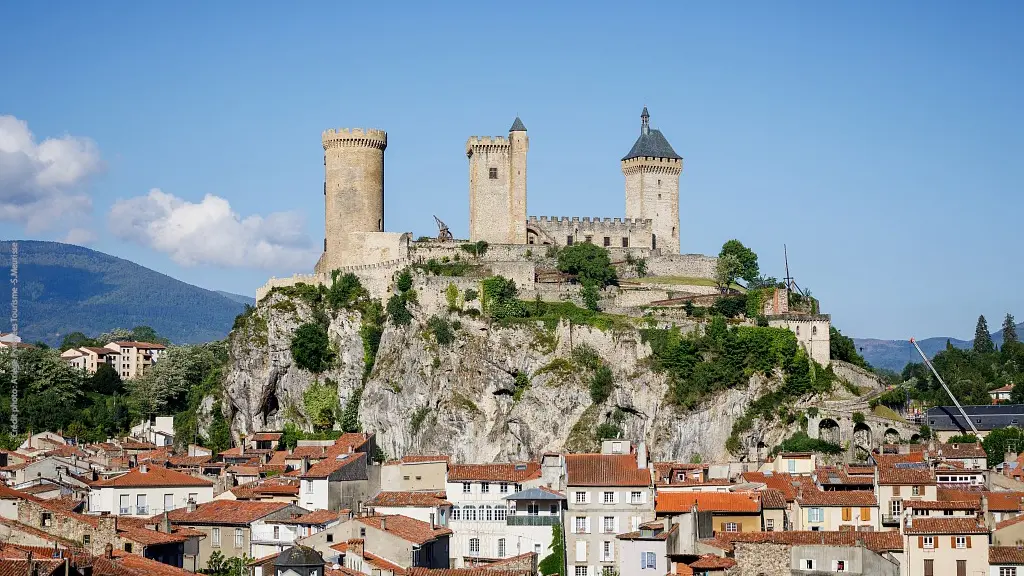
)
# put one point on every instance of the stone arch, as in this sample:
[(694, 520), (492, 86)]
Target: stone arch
[(862, 435), (915, 438), (892, 436), (828, 430)]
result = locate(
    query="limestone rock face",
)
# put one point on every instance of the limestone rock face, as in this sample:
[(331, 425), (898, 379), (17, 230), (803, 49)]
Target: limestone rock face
[(495, 393)]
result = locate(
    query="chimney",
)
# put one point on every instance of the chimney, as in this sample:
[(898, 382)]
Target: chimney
[(383, 523), (351, 449), (1009, 457), (433, 525), (143, 469), (165, 523), (668, 524), (305, 464), (191, 505), (108, 551), (641, 455)]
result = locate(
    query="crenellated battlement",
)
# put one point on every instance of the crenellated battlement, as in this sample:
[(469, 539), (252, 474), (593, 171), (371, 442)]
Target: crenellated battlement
[(652, 165), (365, 137), (587, 220), (485, 142)]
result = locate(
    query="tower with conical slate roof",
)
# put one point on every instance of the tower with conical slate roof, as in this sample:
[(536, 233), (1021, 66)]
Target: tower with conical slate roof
[(497, 186), (652, 171)]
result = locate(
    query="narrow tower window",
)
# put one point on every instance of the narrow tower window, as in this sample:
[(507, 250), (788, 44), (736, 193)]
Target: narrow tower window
[(492, 173)]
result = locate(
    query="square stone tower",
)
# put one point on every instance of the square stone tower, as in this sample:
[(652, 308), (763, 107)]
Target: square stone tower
[(497, 186), (652, 171)]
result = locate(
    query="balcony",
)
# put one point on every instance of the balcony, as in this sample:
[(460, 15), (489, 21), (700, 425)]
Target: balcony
[(142, 510), (526, 520), (125, 511), (890, 520)]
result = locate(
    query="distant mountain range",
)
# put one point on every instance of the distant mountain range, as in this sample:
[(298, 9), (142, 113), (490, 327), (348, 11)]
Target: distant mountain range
[(896, 354), (65, 288)]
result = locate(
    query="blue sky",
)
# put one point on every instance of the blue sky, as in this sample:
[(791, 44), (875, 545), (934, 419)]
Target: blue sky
[(880, 141)]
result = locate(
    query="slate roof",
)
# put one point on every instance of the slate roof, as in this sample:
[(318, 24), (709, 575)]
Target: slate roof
[(511, 472), (536, 494), (652, 145), (605, 470), (517, 126), (772, 499), (300, 556), (984, 417)]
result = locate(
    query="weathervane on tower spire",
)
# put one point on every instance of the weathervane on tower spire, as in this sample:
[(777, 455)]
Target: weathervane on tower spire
[(645, 117)]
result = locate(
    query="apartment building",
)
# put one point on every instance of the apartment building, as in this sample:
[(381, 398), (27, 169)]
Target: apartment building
[(837, 510), (945, 546), (146, 491), (608, 494)]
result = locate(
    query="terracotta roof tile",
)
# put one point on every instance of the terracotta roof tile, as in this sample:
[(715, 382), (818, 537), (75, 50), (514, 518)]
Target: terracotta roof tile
[(332, 464), (226, 512), (1005, 555), (945, 525), (1005, 501), (154, 476), (486, 570), (418, 458), (382, 564), (772, 499), (957, 494), (1010, 522), (415, 531), (893, 476), (511, 472), (317, 517), (712, 562), (409, 499), (942, 505), (605, 470), (735, 502), (876, 541), (782, 482), (962, 450), (266, 436), (188, 461), (837, 498)]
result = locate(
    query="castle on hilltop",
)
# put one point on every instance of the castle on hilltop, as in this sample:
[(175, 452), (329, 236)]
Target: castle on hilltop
[(355, 239)]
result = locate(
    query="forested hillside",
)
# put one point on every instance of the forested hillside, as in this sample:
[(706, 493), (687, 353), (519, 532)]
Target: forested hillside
[(66, 288)]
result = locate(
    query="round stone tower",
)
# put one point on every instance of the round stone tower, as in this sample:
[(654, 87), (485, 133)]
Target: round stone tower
[(353, 190)]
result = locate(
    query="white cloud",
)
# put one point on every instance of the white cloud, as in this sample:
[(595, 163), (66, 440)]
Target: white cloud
[(80, 236), (210, 233), (39, 182)]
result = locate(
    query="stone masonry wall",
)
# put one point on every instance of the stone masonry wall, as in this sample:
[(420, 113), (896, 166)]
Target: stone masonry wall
[(636, 232), (652, 192), (353, 190), (490, 210), (688, 265), (756, 559)]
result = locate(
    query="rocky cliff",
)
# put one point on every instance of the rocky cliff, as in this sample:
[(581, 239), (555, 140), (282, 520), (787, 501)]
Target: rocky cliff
[(493, 393)]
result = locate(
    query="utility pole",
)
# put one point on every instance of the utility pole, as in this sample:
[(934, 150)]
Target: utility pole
[(14, 334)]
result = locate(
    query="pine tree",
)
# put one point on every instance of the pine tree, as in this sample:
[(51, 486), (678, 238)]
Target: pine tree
[(982, 339), (1009, 330)]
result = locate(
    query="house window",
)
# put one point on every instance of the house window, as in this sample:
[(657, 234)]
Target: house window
[(47, 519), (961, 542), (485, 488), (216, 538), (731, 527), (635, 497), (503, 487), (140, 504), (581, 524), (769, 525), (362, 532), (492, 173), (533, 509), (616, 447), (625, 242), (518, 488), (1007, 571), (553, 509), (128, 547), (608, 497), (86, 539), (607, 241), (467, 488), (580, 571), (474, 546), (896, 506), (839, 566), (568, 240), (807, 564), (648, 561), (791, 466), (815, 514), (499, 513), (277, 532), (929, 567), (469, 512), (490, 513), (915, 490), (608, 525), (606, 551), (588, 239), (238, 537), (455, 512), (330, 537), (928, 541), (947, 512), (581, 497), (405, 477), (309, 486), (501, 547)]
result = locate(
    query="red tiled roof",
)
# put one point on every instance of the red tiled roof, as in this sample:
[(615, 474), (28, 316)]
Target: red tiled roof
[(485, 570), (339, 570), (226, 512), (188, 461), (837, 498), (836, 476), (892, 476), (415, 531), (945, 525), (1004, 501), (1010, 522), (712, 562), (140, 565), (409, 499), (333, 463), (962, 450), (944, 493), (316, 518), (147, 537), (1005, 555), (734, 502), (875, 541), (266, 436), (942, 505), (378, 562), (605, 470), (418, 458), (782, 482), (511, 472), (772, 499), (35, 567), (154, 476), (140, 344)]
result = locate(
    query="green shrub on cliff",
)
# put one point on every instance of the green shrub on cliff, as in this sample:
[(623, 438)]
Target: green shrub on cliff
[(311, 348)]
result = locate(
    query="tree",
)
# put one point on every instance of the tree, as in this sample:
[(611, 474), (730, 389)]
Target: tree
[(350, 415), (311, 348), (321, 404), (982, 339), (105, 380), (76, 340), (748, 268), (220, 431), (590, 296), (290, 437), (589, 262), (998, 440), (726, 271), (404, 282), (1009, 330), (842, 348), (554, 563), (147, 334)]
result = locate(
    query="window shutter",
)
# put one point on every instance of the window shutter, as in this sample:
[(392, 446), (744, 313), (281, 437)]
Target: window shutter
[(846, 514), (920, 541), (722, 527), (865, 513), (611, 551), (968, 541), (739, 526), (643, 496), (952, 541), (935, 540), (616, 525), (586, 496), (643, 560), (895, 490), (615, 496), (581, 550), (586, 525)]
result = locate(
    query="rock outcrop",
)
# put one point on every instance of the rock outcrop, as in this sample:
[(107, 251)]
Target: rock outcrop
[(494, 393)]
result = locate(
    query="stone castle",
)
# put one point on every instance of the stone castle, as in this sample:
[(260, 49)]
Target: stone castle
[(356, 241)]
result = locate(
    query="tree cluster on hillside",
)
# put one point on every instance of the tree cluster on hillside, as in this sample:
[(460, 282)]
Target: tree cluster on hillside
[(970, 374)]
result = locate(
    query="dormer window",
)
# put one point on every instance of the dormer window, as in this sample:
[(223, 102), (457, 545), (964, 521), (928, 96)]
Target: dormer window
[(492, 173)]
